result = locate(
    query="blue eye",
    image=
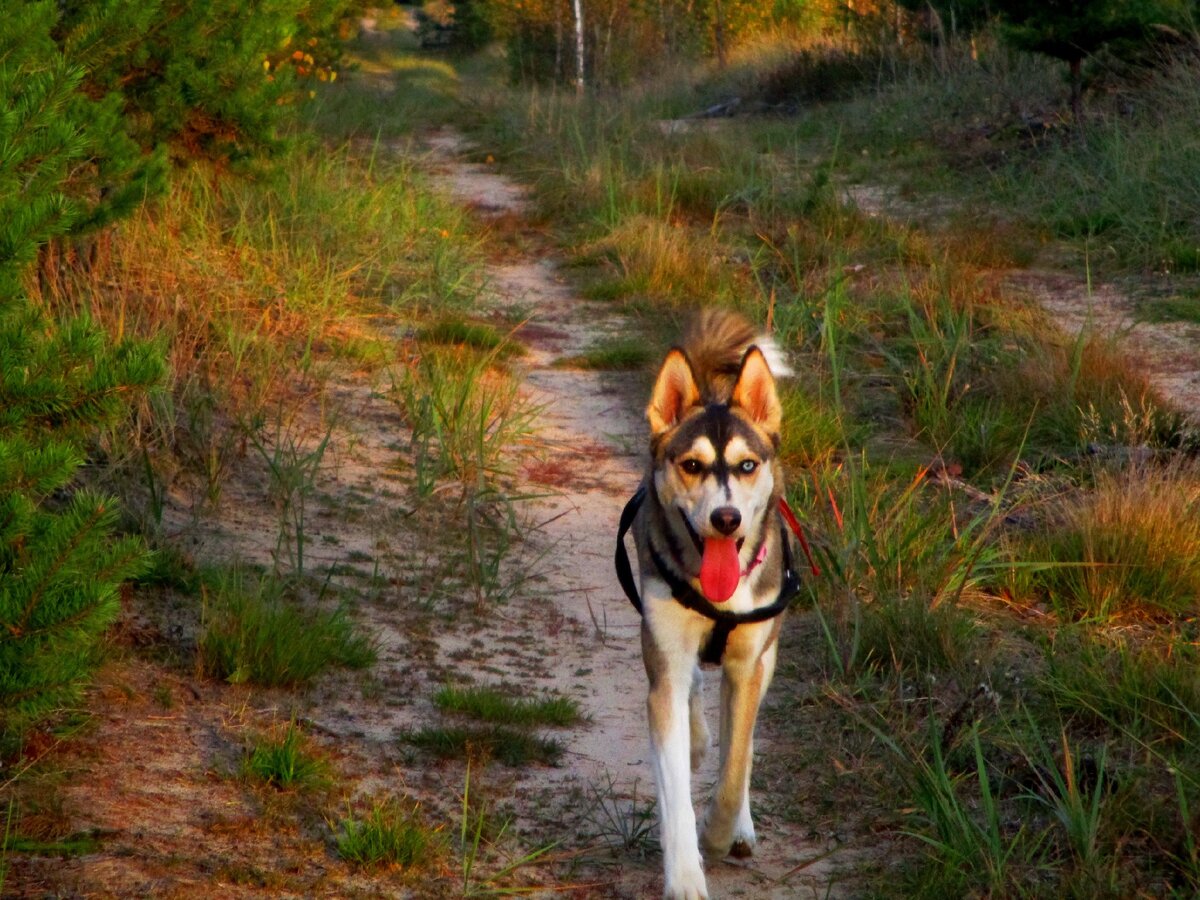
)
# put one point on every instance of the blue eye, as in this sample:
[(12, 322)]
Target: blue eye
[(746, 466)]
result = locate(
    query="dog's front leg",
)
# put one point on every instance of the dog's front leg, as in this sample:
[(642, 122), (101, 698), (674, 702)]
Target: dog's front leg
[(729, 826), (670, 673)]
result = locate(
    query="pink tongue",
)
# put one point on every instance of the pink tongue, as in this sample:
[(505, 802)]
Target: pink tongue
[(720, 569)]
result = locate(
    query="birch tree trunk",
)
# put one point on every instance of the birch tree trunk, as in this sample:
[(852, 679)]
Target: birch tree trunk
[(579, 67)]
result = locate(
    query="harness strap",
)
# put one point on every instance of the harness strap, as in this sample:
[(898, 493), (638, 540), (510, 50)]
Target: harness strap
[(624, 569), (690, 598)]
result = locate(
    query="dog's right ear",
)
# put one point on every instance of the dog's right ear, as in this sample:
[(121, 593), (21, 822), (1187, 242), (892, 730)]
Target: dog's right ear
[(675, 392)]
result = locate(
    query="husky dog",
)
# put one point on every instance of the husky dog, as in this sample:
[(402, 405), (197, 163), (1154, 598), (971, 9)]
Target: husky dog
[(715, 576)]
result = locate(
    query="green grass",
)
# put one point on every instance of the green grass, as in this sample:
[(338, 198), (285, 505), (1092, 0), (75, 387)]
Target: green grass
[(456, 331), (1148, 690), (511, 746), (389, 835), (284, 761), (499, 705), (1178, 308), (467, 418), (611, 354), (253, 630)]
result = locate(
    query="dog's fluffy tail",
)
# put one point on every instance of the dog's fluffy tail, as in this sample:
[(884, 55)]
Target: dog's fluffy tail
[(715, 342)]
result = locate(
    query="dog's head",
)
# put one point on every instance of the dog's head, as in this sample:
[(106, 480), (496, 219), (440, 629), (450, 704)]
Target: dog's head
[(714, 462)]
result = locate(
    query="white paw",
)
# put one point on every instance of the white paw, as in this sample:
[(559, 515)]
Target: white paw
[(686, 885)]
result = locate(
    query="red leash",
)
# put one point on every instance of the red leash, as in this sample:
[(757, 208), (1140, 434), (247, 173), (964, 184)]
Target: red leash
[(794, 524)]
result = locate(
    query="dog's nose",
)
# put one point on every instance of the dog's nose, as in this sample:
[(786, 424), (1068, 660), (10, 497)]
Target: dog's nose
[(726, 519)]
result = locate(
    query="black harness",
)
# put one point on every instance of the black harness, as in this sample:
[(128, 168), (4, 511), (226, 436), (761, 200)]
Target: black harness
[(690, 598)]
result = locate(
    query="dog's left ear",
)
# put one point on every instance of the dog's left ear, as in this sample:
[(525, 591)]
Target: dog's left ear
[(755, 393)]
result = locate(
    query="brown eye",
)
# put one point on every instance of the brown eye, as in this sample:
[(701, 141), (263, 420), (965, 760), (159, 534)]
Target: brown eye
[(746, 466), (692, 466)]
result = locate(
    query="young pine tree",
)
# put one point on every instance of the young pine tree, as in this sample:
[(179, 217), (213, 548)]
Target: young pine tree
[(1072, 30), (61, 564)]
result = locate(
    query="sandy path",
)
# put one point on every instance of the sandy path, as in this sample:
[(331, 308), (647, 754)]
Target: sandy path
[(593, 427), (1168, 352), (194, 829)]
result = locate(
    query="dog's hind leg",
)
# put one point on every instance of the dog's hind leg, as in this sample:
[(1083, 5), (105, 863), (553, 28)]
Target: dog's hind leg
[(729, 827), (701, 739)]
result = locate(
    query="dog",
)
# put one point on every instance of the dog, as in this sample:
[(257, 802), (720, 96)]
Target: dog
[(715, 574)]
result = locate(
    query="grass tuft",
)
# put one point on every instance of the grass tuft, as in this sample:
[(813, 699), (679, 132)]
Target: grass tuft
[(611, 354), (508, 745), (491, 704), (457, 331), (466, 416), (283, 760), (253, 632), (1130, 546), (388, 835)]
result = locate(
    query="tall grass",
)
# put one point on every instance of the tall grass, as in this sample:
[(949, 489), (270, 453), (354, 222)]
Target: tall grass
[(467, 418), (248, 281), (1128, 547), (1145, 689)]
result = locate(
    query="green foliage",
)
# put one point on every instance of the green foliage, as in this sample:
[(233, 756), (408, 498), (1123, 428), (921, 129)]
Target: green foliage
[(254, 632), (60, 564), (389, 834), (1072, 29), (212, 80), (66, 157), (495, 705), (282, 760)]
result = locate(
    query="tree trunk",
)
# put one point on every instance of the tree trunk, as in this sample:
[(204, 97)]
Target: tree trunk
[(719, 33), (579, 67), (558, 44), (1076, 65)]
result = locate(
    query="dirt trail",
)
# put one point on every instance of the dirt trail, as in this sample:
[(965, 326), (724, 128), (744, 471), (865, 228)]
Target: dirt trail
[(1168, 352), (593, 426), (153, 780)]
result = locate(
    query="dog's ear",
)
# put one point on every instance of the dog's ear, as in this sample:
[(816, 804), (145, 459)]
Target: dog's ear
[(755, 393), (675, 392)]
